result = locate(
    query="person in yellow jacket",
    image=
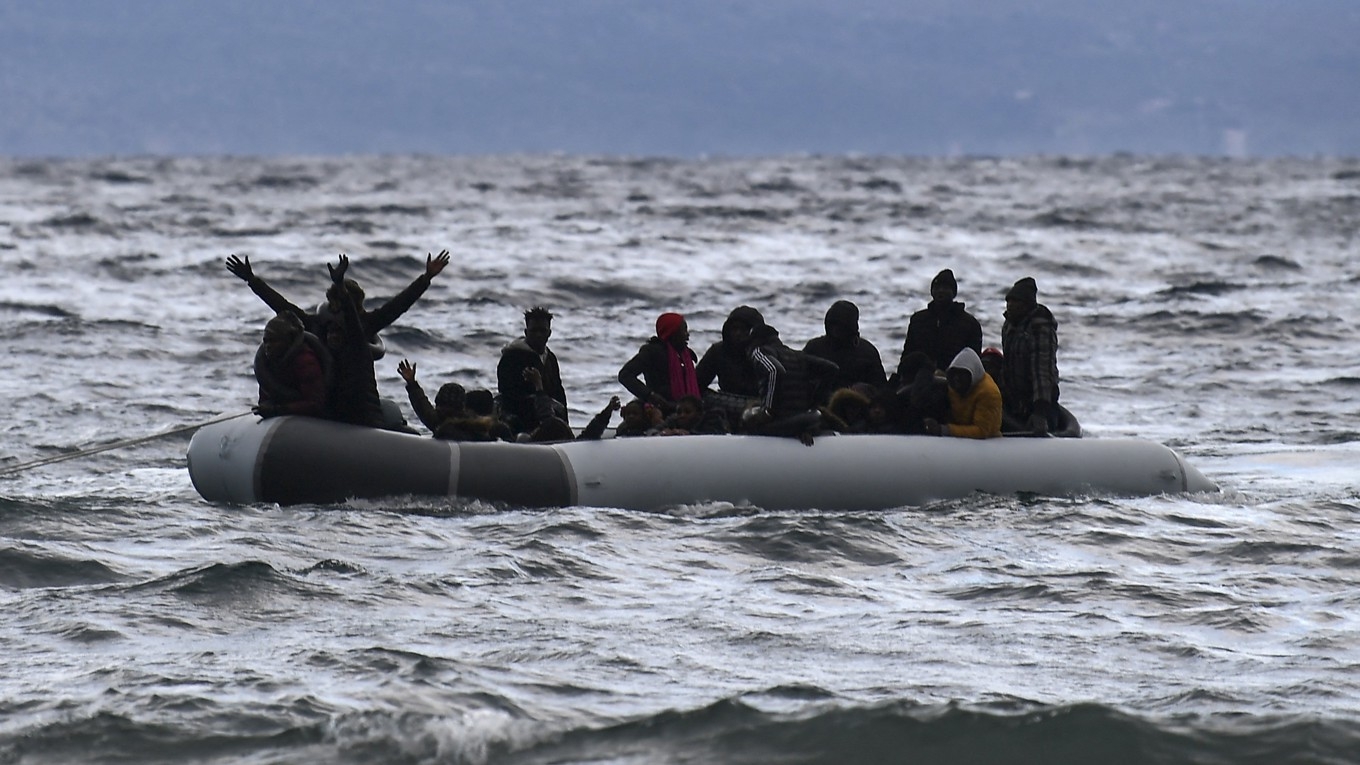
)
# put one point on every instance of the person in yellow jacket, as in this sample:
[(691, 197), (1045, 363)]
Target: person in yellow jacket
[(974, 400)]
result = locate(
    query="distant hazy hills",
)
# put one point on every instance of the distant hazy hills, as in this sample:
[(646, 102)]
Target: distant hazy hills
[(680, 76)]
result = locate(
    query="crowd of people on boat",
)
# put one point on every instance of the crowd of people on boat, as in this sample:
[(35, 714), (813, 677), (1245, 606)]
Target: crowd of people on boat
[(323, 363)]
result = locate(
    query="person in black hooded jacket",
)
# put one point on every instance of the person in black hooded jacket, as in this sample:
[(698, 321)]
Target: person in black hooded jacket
[(921, 393), (728, 362), (943, 327), (857, 359)]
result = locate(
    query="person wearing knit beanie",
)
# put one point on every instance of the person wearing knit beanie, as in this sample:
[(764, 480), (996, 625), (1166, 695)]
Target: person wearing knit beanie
[(1025, 290), (667, 324), (1029, 345), (944, 286), (944, 327), (662, 371)]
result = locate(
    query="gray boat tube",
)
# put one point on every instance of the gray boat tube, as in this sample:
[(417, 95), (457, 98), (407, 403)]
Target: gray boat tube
[(294, 460)]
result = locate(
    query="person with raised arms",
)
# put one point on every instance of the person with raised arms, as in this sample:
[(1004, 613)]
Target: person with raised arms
[(372, 322)]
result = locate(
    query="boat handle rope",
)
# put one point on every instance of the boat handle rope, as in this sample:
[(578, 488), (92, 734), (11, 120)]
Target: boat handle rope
[(115, 445)]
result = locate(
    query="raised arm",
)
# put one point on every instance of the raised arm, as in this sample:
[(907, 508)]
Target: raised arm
[(240, 268), (419, 401), (349, 312), (388, 312), (595, 428)]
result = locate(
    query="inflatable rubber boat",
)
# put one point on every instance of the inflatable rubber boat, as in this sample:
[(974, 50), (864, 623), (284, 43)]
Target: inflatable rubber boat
[(293, 460)]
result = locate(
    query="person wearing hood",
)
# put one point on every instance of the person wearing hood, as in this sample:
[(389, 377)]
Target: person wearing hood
[(1029, 345), (663, 370), (727, 360), (974, 400), (847, 411), (293, 369), (515, 390), (858, 360), (944, 327)]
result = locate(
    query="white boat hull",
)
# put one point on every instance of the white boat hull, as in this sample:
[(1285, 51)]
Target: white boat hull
[(291, 460)]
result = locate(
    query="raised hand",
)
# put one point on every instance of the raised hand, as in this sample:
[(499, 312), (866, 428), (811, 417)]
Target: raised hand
[(240, 268), (435, 263), (338, 271), (407, 370)]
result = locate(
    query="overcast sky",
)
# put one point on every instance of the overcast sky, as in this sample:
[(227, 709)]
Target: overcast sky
[(679, 77)]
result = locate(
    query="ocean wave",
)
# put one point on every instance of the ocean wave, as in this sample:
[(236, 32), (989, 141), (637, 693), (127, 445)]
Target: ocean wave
[(109, 737), (27, 568), (485, 730), (1195, 309), (734, 733), (53, 311), (578, 291), (226, 583), (808, 539)]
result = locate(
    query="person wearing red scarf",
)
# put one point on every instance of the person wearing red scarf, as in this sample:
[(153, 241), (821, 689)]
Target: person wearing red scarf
[(662, 371)]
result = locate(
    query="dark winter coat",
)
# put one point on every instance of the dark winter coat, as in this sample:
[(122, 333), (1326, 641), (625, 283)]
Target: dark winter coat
[(857, 362), (299, 382), (729, 362), (941, 330), (652, 362), (925, 396), (516, 394), (354, 390)]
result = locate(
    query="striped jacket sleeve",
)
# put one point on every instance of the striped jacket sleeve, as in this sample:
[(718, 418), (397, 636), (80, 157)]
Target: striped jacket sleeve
[(769, 369)]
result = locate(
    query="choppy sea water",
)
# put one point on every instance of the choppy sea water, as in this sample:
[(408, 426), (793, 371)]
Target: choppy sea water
[(1206, 304)]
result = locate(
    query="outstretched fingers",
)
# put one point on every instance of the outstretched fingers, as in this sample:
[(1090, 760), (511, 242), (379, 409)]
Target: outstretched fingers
[(338, 270), (435, 263), (240, 268)]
